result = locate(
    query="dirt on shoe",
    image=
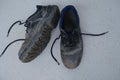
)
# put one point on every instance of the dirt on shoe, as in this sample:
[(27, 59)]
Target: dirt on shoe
[(39, 27), (71, 41)]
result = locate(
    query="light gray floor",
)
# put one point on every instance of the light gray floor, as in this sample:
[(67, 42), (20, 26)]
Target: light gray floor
[(101, 56)]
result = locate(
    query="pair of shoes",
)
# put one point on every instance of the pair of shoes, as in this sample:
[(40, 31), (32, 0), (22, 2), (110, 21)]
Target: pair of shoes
[(39, 27)]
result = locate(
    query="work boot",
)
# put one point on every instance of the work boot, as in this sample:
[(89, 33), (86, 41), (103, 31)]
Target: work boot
[(38, 33), (71, 41)]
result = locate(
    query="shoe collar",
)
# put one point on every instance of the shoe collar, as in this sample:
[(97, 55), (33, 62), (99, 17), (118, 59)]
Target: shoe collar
[(63, 12)]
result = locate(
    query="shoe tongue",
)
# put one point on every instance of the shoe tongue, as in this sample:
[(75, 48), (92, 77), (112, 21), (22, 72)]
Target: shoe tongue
[(67, 32)]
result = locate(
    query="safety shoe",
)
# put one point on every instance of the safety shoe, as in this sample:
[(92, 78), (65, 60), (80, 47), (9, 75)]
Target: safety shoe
[(38, 33), (71, 41)]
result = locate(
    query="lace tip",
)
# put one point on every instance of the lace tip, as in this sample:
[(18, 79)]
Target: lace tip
[(7, 35), (0, 55), (106, 32), (58, 63)]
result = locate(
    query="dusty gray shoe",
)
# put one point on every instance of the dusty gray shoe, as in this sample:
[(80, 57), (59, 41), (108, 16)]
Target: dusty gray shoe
[(39, 27), (71, 40), (71, 44)]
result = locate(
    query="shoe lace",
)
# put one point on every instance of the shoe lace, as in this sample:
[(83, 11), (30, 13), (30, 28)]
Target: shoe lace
[(9, 45), (20, 23), (51, 50), (94, 34)]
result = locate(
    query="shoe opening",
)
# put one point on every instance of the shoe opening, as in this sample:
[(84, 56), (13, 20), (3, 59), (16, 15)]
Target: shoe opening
[(69, 21)]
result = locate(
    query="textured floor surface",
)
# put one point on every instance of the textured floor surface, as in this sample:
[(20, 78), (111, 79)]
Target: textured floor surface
[(101, 55)]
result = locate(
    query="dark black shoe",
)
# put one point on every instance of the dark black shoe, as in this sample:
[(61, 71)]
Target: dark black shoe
[(71, 40)]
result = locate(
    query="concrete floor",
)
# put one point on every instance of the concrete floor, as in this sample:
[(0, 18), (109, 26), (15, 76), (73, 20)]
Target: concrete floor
[(101, 57)]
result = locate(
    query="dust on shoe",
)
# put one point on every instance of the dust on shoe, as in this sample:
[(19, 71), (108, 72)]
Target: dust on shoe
[(71, 40), (39, 27)]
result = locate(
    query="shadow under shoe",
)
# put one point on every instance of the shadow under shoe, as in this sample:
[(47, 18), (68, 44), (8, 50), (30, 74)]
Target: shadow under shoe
[(39, 27)]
